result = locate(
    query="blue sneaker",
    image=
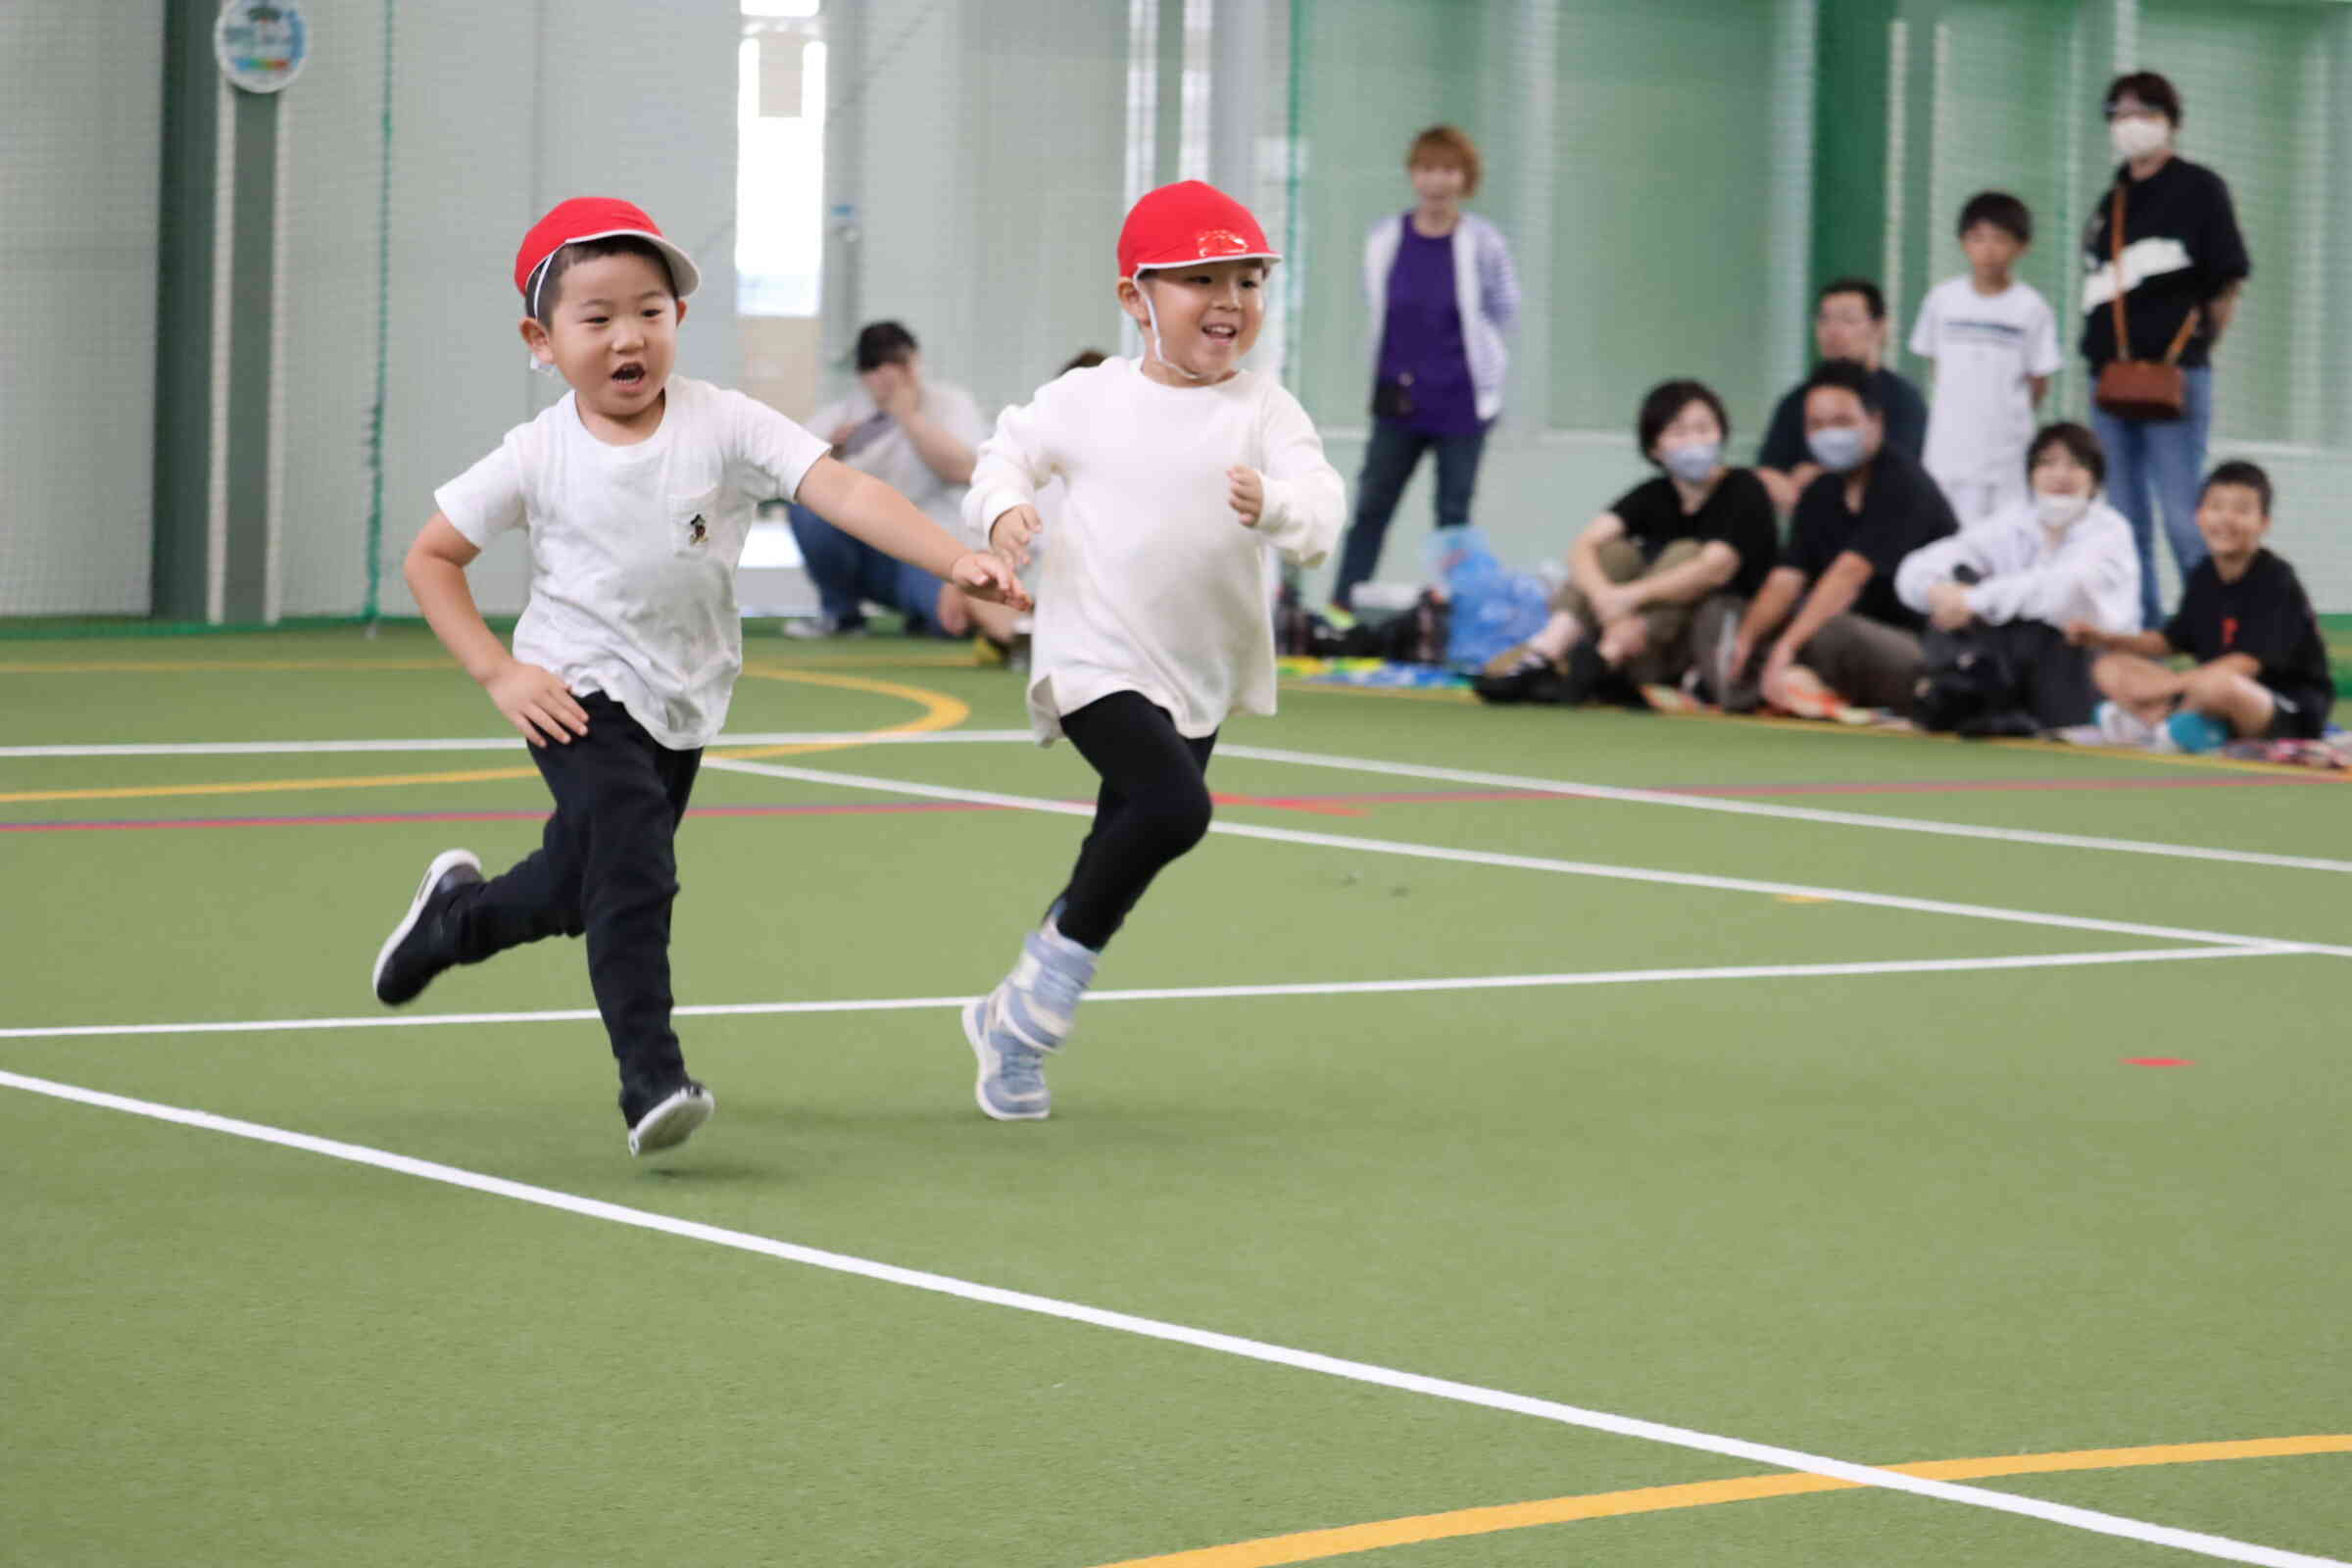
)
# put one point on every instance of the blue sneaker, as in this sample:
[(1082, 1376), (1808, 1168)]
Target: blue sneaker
[(1013, 1074), (2196, 732)]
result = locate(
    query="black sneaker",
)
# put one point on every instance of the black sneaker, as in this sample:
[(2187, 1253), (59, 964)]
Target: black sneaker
[(665, 1121), (419, 948), (1587, 673), (1528, 678)]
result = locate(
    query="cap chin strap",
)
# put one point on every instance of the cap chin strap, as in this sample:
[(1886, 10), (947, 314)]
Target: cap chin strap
[(1159, 350)]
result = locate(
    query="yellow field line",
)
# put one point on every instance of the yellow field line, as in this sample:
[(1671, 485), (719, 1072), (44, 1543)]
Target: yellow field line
[(1312, 1546), (940, 711), (174, 666)]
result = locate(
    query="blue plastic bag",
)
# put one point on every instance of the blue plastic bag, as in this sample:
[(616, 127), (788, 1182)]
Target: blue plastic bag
[(1491, 606)]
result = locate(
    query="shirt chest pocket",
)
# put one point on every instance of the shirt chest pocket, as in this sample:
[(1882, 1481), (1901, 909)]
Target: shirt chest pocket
[(691, 515)]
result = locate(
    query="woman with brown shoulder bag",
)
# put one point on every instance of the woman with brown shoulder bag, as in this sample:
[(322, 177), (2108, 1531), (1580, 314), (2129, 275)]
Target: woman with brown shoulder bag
[(2164, 262)]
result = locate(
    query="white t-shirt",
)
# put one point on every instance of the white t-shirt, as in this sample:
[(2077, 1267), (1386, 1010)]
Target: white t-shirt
[(1151, 583), (882, 448), (633, 548), (1984, 347)]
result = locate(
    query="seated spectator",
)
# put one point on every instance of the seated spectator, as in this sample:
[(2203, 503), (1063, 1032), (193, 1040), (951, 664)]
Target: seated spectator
[(1003, 632), (1999, 594), (1827, 630), (918, 436), (1639, 569), (2260, 662), (1849, 322)]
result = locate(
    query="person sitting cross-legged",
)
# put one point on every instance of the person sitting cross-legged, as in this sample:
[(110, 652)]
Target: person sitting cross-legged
[(1699, 532), (1828, 631), (1999, 594), (2261, 663)]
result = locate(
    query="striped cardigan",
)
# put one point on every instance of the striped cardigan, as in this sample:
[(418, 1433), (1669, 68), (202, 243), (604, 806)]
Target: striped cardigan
[(1485, 290)]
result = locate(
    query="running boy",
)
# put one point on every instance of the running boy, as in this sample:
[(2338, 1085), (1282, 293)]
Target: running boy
[(1995, 342), (1154, 614), (637, 488), (2261, 662)]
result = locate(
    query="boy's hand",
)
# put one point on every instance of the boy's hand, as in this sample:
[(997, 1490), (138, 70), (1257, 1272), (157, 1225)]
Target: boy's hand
[(1009, 535), (537, 703), (2082, 634), (984, 576), (1613, 603), (1247, 491)]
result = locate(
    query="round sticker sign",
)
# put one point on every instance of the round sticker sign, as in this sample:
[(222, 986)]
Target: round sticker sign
[(261, 44)]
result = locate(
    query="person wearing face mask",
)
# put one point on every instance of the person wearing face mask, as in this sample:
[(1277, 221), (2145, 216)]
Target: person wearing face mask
[(1828, 634), (1849, 322), (2000, 594), (1699, 538), (2181, 265)]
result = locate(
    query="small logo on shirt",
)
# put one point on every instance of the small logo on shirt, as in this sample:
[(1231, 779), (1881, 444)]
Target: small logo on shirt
[(2229, 631), (698, 532)]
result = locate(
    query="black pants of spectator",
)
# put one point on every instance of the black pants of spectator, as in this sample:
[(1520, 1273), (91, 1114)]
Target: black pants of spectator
[(2039, 674), (1153, 807), (607, 868), (1390, 458)]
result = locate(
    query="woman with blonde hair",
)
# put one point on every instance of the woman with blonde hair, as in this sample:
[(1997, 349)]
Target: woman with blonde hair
[(1443, 292)]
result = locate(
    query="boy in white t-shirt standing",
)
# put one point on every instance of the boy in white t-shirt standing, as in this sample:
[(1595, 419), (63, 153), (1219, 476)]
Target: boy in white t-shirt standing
[(637, 489), (1994, 341), (1186, 476)]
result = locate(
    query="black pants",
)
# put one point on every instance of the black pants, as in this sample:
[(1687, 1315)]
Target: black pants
[(2027, 667), (1153, 807), (1390, 458), (607, 868)]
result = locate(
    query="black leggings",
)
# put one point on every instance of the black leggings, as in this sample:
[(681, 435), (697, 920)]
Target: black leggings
[(1153, 807)]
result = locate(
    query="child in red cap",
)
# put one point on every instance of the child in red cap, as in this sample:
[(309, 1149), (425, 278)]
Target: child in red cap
[(1185, 475), (636, 489)]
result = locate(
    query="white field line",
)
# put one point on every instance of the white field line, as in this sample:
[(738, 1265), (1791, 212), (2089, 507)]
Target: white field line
[(2105, 1524), (1530, 862), (1260, 753), (1790, 813), (508, 742), (1336, 988)]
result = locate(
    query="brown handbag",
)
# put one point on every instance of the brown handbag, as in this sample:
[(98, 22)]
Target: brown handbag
[(2141, 389)]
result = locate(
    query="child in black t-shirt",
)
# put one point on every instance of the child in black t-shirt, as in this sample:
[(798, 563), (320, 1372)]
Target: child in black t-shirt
[(2261, 663)]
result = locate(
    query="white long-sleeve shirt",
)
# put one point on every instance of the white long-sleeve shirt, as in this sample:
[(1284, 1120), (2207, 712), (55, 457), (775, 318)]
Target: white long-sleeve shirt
[(2090, 572), (1151, 582)]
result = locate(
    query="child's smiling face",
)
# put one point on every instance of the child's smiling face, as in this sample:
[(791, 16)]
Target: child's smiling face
[(2232, 520), (1210, 315), (613, 335)]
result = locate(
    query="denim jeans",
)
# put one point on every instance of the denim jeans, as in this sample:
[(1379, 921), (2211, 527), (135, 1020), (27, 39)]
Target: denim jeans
[(2153, 467), (1390, 458), (848, 573)]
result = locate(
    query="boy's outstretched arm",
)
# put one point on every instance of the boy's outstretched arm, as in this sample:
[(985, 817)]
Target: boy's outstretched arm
[(862, 506), (535, 700)]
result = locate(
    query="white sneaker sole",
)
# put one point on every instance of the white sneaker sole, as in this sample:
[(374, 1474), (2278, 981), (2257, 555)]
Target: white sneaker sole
[(975, 1019), (443, 864), (671, 1122)]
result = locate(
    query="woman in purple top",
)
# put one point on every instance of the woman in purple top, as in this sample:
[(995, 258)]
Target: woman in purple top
[(1442, 283)]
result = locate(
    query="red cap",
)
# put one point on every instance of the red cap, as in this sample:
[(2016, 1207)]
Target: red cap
[(596, 218), (1189, 221)]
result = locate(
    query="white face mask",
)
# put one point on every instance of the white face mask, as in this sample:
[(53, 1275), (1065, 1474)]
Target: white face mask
[(2059, 511), (2139, 136)]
